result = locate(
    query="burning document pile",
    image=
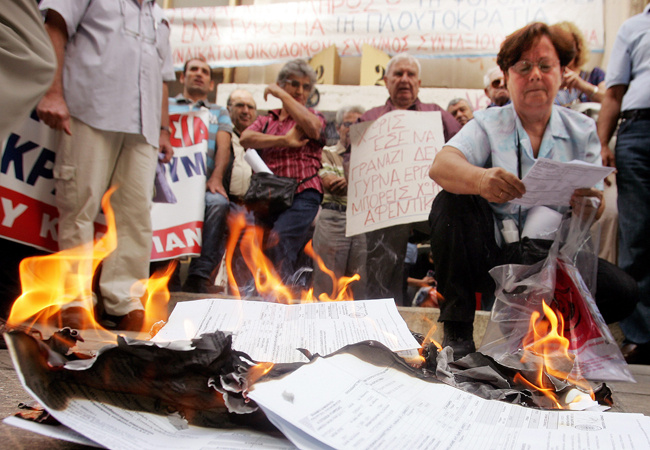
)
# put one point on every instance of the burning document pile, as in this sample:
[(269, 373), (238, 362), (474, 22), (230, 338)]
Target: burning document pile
[(164, 394), (179, 390)]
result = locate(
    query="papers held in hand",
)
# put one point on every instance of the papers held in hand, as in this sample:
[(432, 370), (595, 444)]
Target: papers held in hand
[(552, 183)]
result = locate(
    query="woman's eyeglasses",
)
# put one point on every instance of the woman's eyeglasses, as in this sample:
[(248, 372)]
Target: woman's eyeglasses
[(296, 84), (524, 67)]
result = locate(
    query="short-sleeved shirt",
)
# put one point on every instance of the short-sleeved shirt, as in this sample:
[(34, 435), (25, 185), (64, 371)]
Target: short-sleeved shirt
[(116, 58), (490, 140), (629, 62), (450, 125), (567, 96), (219, 121), (333, 165), (297, 163)]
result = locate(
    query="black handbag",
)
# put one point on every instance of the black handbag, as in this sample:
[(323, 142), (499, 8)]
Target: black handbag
[(269, 193)]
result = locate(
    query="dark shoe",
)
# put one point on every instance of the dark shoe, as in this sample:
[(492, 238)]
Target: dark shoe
[(460, 337), (75, 317), (198, 285), (636, 353), (133, 321)]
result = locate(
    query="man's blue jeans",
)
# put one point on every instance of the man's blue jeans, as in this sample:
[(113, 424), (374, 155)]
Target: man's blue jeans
[(215, 234), (292, 228), (633, 181)]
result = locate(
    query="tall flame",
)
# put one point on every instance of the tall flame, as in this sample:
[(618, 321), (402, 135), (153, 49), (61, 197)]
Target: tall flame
[(267, 280), (51, 281), (546, 345)]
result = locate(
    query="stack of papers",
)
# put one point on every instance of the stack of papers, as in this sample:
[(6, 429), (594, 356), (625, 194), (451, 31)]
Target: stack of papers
[(336, 402)]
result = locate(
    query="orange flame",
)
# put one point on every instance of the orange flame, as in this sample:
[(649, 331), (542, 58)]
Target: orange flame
[(545, 343), (51, 281), (428, 339), (267, 280)]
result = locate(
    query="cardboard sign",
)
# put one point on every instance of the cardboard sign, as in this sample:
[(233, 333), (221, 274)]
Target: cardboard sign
[(389, 180)]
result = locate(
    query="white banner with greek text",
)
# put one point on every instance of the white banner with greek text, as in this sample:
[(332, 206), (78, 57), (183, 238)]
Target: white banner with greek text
[(252, 35)]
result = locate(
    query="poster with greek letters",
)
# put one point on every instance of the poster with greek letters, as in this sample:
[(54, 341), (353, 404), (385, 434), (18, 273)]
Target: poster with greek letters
[(28, 212), (178, 226), (388, 181)]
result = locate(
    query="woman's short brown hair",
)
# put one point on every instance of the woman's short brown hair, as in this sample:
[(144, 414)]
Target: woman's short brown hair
[(524, 38)]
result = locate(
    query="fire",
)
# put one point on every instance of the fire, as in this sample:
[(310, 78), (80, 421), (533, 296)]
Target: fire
[(267, 280), (546, 347), (51, 281), (428, 343)]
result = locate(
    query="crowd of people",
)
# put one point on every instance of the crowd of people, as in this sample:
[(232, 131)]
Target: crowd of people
[(109, 100)]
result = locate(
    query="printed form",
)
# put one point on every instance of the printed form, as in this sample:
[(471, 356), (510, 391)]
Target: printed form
[(274, 332), (358, 405), (552, 182)]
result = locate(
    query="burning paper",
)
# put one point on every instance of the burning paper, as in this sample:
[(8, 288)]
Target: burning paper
[(365, 401)]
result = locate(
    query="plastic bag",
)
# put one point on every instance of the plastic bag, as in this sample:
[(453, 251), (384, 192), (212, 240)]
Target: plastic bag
[(566, 281)]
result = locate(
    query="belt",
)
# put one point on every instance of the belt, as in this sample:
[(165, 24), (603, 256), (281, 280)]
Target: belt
[(334, 206), (636, 114)]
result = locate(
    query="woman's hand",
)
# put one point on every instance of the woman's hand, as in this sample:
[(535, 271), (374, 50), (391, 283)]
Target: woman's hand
[(497, 185), (587, 203)]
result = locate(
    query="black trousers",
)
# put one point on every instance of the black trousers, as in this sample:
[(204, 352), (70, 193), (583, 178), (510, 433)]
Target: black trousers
[(464, 250)]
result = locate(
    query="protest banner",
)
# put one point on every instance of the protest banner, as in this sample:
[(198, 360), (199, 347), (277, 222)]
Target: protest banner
[(178, 226), (28, 212), (388, 181), (253, 35)]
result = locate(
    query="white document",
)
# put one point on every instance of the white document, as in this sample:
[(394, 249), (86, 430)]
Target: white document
[(255, 161), (116, 428), (54, 431), (273, 332), (552, 182), (345, 403)]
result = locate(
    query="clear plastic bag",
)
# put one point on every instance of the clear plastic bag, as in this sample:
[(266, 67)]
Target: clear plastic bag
[(566, 281)]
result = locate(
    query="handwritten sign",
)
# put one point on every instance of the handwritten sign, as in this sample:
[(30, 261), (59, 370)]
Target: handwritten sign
[(28, 212), (251, 35), (389, 180)]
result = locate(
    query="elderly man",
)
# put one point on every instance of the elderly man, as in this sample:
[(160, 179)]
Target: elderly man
[(109, 98), (628, 97), (197, 84), (387, 247), (461, 110), (345, 256), (243, 112), (495, 87)]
